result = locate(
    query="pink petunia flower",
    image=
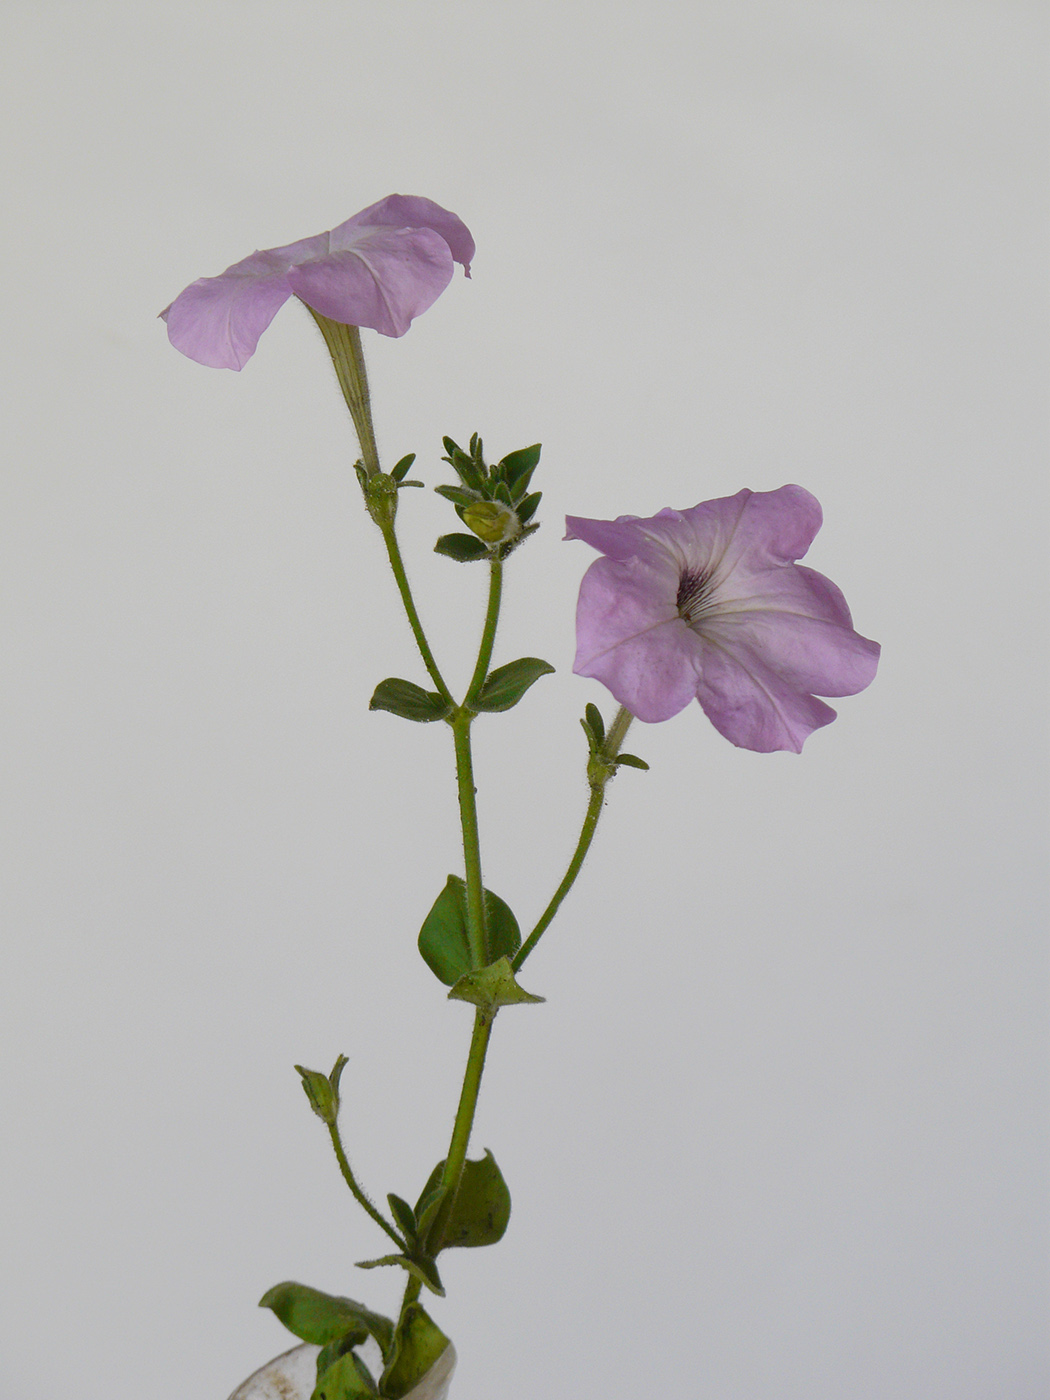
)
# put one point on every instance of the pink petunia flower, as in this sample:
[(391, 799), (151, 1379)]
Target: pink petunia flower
[(709, 604), (380, 269)]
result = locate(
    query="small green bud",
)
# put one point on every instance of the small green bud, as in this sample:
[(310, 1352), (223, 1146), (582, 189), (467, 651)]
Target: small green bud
[(492, 521), (322, 1093)]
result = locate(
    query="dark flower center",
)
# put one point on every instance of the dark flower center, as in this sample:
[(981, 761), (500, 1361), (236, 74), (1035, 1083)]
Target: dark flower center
[(694, 596)]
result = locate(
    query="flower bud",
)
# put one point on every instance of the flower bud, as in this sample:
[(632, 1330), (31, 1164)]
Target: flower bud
[(323, 1096), (492, 521)]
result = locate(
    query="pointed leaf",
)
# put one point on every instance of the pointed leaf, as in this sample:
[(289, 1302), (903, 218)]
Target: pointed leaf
[(492, 987), (410, 701), (463, 548), (346, 1378), (417, 1345), (505, 686), (321, 1318), (443, 937)]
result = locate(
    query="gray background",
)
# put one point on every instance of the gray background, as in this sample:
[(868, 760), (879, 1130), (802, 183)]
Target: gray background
[(777, 1133)]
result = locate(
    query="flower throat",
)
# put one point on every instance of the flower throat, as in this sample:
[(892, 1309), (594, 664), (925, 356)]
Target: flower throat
[(694, 592)]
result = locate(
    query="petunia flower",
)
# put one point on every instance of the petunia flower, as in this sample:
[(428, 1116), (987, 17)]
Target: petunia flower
[(709, 604), (380, 269)]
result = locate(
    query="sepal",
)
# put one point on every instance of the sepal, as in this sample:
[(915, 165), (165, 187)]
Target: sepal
[(401, 469), (632, 761)]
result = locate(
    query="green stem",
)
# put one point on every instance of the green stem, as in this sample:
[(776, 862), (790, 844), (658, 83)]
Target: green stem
[(488, 635), (600, 769), (344, 346), (468, 815), (397, 564), (359, 1195), (476, 929), (468, 1102)]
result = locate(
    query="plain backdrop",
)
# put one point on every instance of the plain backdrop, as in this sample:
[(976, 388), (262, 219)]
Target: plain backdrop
[(778, 1132)]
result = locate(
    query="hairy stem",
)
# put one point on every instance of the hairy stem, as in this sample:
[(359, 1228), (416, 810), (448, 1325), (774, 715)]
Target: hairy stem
[(600, 770), (359, 1195)]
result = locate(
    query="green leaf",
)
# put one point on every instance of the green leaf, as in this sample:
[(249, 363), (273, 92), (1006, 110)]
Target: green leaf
[(420, 1266), (403, 1215), (518, 466), (347, 1378), (402, 468), (482, 1207), (463, 548), (492, 987), (505, 686), (321, 1318), (417, 1345), (410, 701), (443, 940), (632, 761), (443, 937)]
